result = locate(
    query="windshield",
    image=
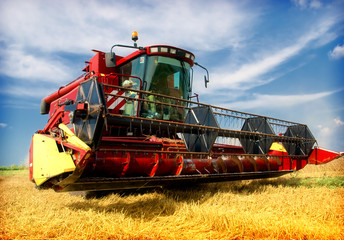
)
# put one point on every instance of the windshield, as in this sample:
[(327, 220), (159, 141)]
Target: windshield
[(171, 77), (168, 76)]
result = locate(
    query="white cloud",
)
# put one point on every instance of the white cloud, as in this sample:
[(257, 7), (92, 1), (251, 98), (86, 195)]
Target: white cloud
[(252, 74), (3, 125), (17, 63), (74, 26), (324, 130), (329, 133), (28, 91), (277, 101), (324, 135), (338, 121), (307, 3), (246, 76), (337, 52)]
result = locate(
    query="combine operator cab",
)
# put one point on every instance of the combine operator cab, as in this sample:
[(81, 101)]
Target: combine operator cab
[(129, 122), (160, 70)]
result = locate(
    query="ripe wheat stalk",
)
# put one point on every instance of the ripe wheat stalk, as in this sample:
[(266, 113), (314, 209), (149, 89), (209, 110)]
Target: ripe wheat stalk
[(281, 208)]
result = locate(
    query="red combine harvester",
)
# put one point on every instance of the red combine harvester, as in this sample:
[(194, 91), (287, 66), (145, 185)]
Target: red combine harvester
[(129, 122)]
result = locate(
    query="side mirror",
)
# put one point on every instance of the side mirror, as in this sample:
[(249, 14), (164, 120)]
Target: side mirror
[(110, 60), (206, 77), (206, 80)]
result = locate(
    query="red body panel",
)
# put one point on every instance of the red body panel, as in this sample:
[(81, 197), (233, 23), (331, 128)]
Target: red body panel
[(63, 90), (322, 155), (31, 161)]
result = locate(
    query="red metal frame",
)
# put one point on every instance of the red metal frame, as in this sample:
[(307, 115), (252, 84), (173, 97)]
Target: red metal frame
[(322, 155)]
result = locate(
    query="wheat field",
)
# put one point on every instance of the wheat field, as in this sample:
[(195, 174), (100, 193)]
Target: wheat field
[(289, 207)]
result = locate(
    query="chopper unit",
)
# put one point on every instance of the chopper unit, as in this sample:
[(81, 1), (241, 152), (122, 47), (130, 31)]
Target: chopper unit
[(131, 122)]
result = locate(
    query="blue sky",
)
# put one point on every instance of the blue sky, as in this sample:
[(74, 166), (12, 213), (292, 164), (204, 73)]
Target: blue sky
[(284, 59)]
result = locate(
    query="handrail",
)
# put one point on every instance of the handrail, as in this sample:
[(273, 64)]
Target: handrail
[(217, 110)]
